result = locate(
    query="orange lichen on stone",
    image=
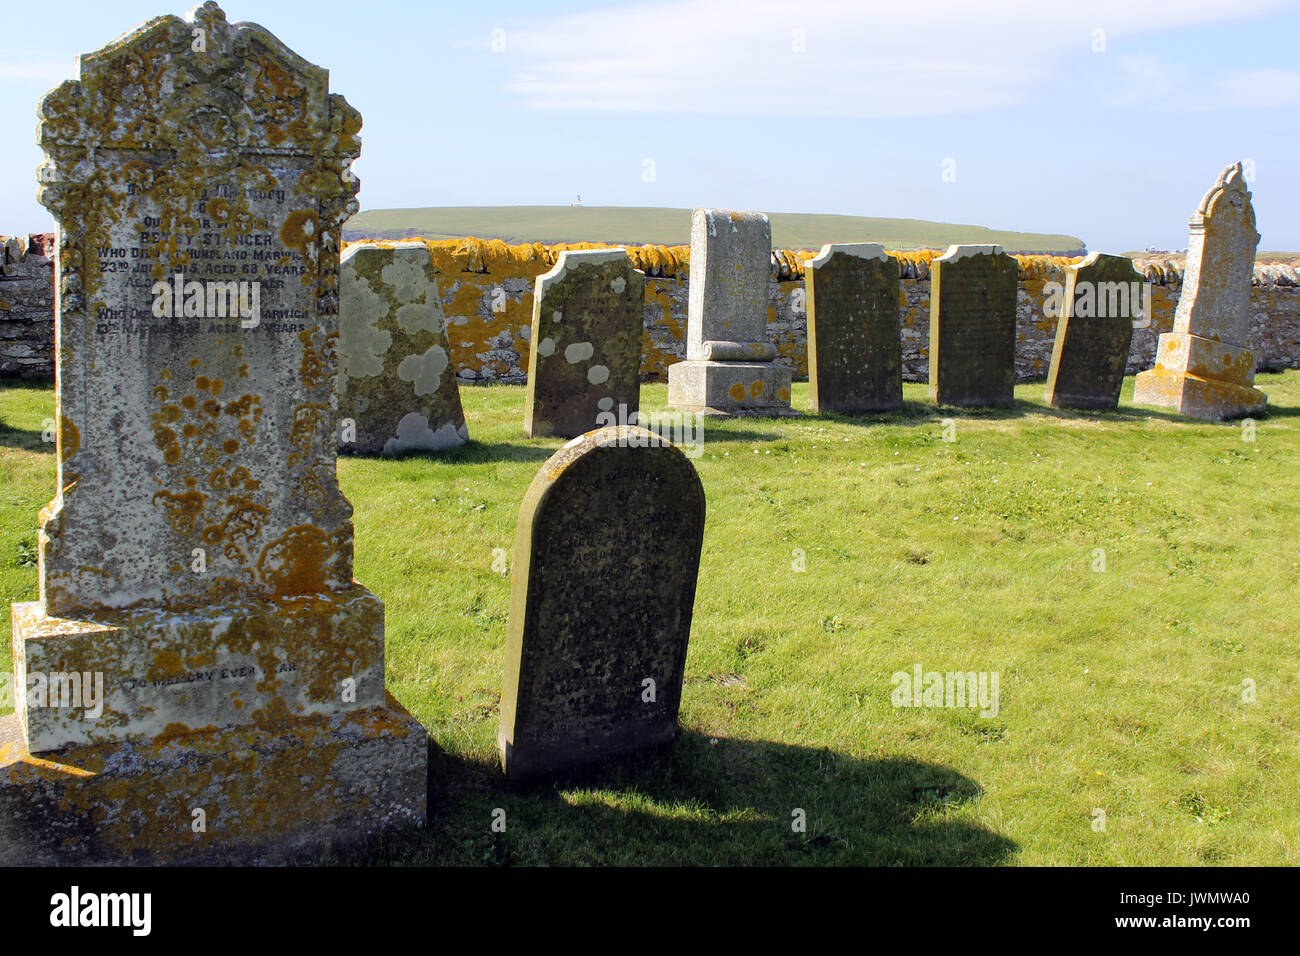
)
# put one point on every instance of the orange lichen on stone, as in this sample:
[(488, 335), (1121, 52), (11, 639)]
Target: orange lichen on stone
[(69, 438)]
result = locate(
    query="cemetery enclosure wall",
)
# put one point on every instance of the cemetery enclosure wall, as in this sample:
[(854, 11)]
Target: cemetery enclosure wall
[(487, 293), (27, 306)]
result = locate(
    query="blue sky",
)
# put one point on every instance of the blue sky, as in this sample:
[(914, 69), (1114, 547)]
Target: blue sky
[(827, 107)]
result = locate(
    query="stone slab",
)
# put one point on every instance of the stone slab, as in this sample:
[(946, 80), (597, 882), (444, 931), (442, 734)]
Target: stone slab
[(166, 672), (199, 210), (1102, 300), (397, 389), (973, 326), (606, 558), (1197, 397), (268, 795), (855, 347), (1221, 244), (730, 388), (588, 314), (731, 264)]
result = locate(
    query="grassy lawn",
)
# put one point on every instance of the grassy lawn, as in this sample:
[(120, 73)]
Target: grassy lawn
[(1120, 690)]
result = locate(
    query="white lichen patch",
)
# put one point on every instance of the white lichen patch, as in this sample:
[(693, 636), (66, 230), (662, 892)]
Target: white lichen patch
[(598, 375), (578, 352), (424, 371), (406, 274), (418, 317), (546, 347), (414, 434), (362, 342)]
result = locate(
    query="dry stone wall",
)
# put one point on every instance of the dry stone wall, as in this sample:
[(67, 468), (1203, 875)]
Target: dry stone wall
[(27, 306), (487, 292)]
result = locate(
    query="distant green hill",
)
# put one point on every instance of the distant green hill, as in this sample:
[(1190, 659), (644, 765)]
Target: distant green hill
[(640, 226)]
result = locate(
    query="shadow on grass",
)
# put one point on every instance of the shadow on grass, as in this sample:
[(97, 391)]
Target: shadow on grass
[(699, 801), (23, 439), (472, 452), (914, 412)]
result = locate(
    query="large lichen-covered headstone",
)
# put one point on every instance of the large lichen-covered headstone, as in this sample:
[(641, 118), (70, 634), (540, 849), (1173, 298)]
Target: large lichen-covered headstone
[(729, 367), (855, 346), (973, 326), (586, 343), (1203, 368), (605, 563), (197, 610), (1103, 298), (396, 385)]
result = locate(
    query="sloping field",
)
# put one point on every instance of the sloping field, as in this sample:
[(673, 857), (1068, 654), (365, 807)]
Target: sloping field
[(629, 224)]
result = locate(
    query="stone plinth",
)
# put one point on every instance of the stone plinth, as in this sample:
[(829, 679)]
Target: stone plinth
[(1202, 367), (728, 368)]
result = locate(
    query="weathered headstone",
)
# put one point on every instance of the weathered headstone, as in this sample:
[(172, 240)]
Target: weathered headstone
[(605, 562), (1203, 368), (199, 643), (1102, 300), (396, 386), (973, 326), (586, 343), (855, 346), (729, 368)]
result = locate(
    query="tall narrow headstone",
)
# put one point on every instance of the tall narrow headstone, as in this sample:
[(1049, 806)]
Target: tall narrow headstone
[(605, 563), (855, 346), (215, 662), (1203, 368), (973, 326), (396, 385), (729, 368), (1102, 300), (586, 343)]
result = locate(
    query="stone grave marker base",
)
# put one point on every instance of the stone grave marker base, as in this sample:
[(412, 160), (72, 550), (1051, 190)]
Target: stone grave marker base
[(730, 388), (229, 665), (1202, 378), (269, 795)]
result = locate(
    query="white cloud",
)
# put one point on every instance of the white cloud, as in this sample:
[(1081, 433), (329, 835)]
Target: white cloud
[(914, 58), (1156, 85)]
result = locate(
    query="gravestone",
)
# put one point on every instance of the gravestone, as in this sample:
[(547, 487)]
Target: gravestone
[(1203, 368), (729, 367), (1102, 300), (586, 343), (605, 562), (855, 346), (199, 644), (396, 387), (973, 326)]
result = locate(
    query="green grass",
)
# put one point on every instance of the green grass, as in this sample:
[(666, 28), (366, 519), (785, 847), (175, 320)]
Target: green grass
[(1119, 690), (664, 226)]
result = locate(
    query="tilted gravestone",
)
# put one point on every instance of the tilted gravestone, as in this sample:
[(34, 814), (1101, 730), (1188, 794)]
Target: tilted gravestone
[(729, 367), (605, 562), (855, 346), (396, 386), (973, 326), (1203, 368), (199, 643), (586, 343), (1103, 299)]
